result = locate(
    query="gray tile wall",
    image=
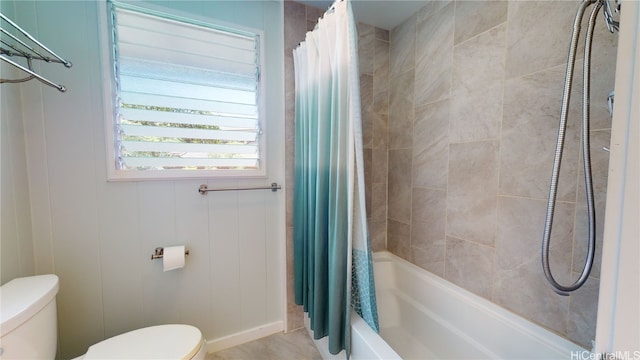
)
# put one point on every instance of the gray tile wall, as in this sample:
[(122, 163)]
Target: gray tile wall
[(474, 99), (373, 51)]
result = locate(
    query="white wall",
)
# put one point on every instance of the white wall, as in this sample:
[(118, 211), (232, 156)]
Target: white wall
[(16, 248), (98, 235)]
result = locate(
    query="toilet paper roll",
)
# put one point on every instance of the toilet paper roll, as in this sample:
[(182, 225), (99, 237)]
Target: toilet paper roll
[(173, 258)]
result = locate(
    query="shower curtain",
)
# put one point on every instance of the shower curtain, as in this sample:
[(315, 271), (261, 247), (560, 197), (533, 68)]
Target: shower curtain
[(332, 258)]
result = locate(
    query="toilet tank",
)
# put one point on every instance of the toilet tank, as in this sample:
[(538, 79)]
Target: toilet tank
[(28, 318)]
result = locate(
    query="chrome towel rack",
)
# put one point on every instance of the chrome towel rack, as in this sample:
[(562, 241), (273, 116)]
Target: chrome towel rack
[(204, 189), (11, 45)]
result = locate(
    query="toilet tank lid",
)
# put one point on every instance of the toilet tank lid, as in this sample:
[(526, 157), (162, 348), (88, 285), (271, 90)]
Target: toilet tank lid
[(22, 298)]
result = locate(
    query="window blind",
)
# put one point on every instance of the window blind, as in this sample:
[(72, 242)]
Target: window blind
[(187, 94)]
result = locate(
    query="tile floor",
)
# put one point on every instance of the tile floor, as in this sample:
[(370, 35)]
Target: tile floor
[(296, 345)]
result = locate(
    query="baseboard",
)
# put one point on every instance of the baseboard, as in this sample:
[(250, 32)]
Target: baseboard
[(242, 337)]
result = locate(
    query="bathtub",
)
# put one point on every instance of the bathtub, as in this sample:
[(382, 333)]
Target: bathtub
[(423, 316)]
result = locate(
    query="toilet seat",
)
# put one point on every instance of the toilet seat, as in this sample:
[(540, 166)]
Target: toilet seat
[(155, 342)]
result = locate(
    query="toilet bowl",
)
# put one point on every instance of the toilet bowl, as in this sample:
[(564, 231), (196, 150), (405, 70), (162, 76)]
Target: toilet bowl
[(28, 329)]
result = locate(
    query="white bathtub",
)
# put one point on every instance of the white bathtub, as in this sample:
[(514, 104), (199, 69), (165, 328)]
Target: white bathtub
[(423, 316)]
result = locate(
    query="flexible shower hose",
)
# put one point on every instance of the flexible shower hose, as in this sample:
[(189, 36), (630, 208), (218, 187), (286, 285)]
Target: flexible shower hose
[(586, 151)]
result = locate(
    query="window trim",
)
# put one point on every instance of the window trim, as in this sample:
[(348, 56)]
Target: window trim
[(110, 94)]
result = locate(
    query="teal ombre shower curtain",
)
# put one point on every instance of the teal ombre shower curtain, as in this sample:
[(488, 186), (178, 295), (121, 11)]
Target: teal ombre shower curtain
[(332, 257)]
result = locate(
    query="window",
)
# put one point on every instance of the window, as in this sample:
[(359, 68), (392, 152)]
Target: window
[(186, 97)]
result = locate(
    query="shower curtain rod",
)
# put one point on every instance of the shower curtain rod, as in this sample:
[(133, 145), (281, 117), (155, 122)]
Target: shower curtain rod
[(20, 48)]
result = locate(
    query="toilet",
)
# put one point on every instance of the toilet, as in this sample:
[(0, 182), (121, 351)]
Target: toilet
[(28, 329)]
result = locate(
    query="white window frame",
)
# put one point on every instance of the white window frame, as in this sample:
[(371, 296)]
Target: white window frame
[(110, 94)]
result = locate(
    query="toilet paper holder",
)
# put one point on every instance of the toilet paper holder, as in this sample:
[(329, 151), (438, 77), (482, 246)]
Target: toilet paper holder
[(159, 253)]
